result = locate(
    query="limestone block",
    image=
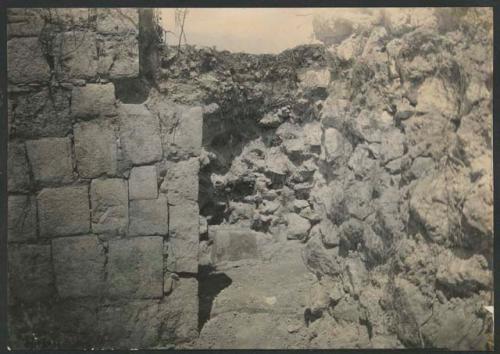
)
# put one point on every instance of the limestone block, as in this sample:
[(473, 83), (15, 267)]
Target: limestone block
[(135, 267), (109, 201), (18, 174), (95, 148), (42, 114), (93, 100), (232, 243), (26, 62), (181, 310), (63, 211), (117, 21), (184, 134), (50, 160), (25, 23), (78, 266), (183, 237), (76, 55), (30, 272), (21, 218), (181, 182), (149, 217), (119, 56), (143, 183), (139, 134), (433, 96), (298, 227)]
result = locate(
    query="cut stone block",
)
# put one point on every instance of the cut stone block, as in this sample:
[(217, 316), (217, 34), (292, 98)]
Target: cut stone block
[(95, 149), (50, 160), (117, 21), (119, 56), (93, 100), (135, 267), (63, 211), (184, 229), (78, 265), (185, 132), (140, 134), (181, 182), (143, 183), (17, 168), (149, 217), (22, 218), (30, 272), (109, 201), (76, 56), (42, 114), (233, 243), (181, 308), (26, 62)]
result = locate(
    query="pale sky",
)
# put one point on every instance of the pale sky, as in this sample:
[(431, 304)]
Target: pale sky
[(252, 30)]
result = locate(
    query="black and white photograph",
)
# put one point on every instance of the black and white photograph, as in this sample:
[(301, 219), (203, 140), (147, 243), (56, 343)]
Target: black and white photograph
[(249, 178)]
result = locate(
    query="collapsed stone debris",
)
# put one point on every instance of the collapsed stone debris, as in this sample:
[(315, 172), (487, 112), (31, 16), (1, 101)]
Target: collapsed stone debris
[(336, 195)]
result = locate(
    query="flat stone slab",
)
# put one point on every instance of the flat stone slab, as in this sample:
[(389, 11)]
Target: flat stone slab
[(118, 56), (139, 134), (95, 148), (78, 265), (22, 218), (50, 160), (232, 243), (135, 267), (143, 183), (30, 272), (63, 211), (93, 100), (109, 201), (149, 217)]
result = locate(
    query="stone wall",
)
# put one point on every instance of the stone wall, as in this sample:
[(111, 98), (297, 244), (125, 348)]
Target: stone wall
[(103, 216)]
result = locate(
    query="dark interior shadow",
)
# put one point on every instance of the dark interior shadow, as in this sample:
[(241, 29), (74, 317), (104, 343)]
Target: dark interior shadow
[(210, 284)]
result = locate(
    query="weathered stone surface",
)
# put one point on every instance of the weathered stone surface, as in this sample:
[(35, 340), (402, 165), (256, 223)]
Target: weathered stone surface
[(321, 260), (109, 201), (95, 148), (50, 160), (333, 114), (21, 218), (184, 132), (118, 56), (26, 62), (135, 267), (149, 217), (42, 114), (232, 243), (183, 237), (76, 56), (78, 266), (434, 96), (25, 22), (63, 211), (314, 79), (30, 272), (360, 162), (93, 100), (298, 227), (139, 134), (117, 21), (181, 181), (336, 146), (18, 174), (463, 277), (181, 312), (143, 183)]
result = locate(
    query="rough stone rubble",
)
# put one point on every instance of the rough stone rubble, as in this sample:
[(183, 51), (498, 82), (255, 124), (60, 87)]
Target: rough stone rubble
[(251, 200)]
